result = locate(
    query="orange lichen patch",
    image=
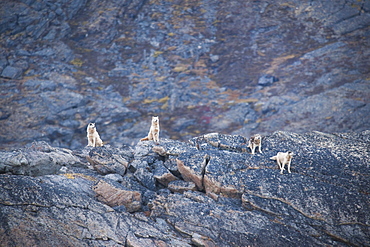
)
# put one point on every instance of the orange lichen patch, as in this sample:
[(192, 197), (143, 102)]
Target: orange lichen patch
[(149, 101), (287, 5), (200, 63), (248, 100), (180, 68), (160, 78), (277, 62), (164, 99), (77, 62), (171, 48), (157, 53), (161, 100), (200, 71), (80, 175)]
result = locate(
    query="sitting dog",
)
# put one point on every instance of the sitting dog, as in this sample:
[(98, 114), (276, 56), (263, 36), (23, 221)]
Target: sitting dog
[(153, 132), (93, 137)]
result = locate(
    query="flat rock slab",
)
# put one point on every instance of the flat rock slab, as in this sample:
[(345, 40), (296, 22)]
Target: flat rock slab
[(12, 72), (181, 186), (116, 196), (37, 159)]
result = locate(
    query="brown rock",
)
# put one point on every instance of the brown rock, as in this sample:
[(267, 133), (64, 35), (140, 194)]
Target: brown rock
[(114, 196), (202, 241)]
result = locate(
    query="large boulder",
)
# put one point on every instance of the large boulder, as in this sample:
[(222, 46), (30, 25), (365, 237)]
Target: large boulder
[(219, 195), (38, 158)]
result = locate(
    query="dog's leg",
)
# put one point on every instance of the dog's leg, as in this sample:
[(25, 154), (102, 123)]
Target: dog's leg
[(281, 165)]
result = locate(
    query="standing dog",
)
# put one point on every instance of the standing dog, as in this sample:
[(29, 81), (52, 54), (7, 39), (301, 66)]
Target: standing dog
[(283, 159), (255, 141)]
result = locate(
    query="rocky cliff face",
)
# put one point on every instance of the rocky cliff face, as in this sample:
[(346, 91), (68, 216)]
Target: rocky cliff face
[(235, 67), (207, 192)]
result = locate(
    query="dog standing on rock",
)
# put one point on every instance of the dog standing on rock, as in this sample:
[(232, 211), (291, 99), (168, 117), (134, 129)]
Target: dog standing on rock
[(283, 159), (93, 137), (255, 141), (154, 131)]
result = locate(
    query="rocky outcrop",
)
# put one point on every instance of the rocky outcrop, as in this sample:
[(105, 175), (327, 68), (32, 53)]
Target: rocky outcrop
[(293, 66), (210, 191)]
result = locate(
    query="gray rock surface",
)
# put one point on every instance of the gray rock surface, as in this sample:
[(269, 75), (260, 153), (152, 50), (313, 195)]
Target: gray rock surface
[(219, 195)]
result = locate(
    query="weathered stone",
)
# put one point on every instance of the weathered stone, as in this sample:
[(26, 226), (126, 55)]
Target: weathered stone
[(234, 143), (171, 165), (221, 174), (162, 175), (145, 177), (117, 196), (39, 158), (200, 73), (63, 210), (105, 160), (241, 199), (115, 177), (202, 241), (12, 72), (267, 80), (191, 166), (180, 186), (219, 224)]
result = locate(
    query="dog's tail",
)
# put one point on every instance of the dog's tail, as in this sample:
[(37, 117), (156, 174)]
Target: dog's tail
[(273, 158)]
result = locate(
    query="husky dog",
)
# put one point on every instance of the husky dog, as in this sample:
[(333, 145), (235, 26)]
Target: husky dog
[(93, 137), (154, 131), (255, 141), (283, 159)]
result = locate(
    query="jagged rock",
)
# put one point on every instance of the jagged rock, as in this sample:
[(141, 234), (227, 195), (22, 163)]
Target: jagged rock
[(146, 178), (62, 210), (223, 196), (171, 165), (191, 166), (240, 175), (162, 175)]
